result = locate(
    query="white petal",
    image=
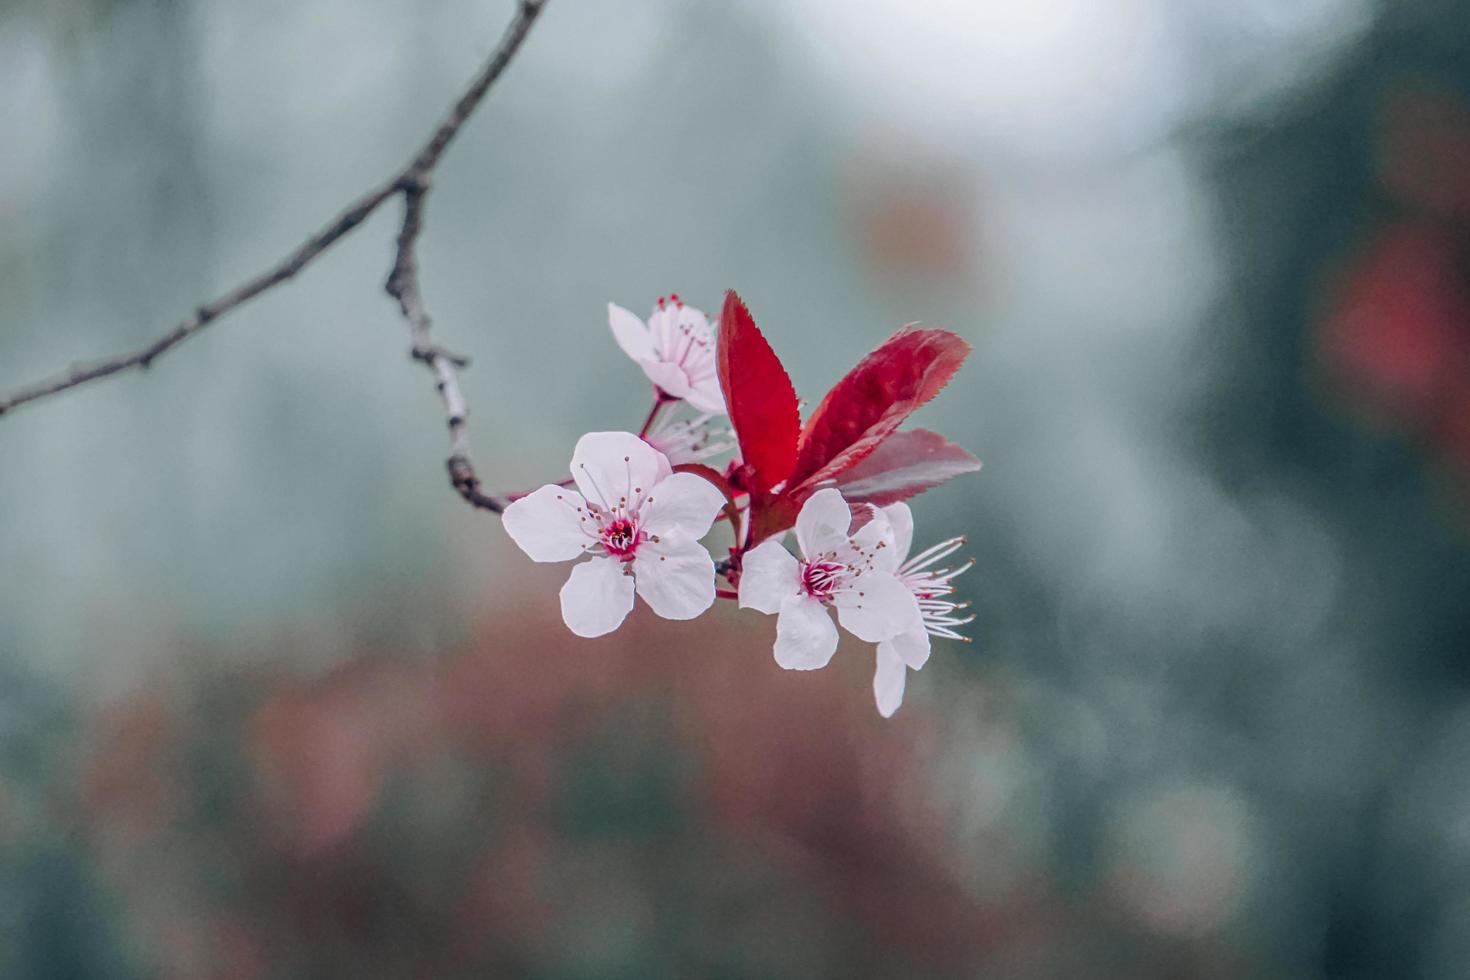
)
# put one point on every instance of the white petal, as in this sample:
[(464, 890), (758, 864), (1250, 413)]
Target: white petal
[(873, 545), (768, 574), (616, 467), (888, 680), (695, 320), (902, 520), (693, 340), (683, 504), (548, 525), (670, 378), (877, 606), (912, 646), (707, 397), (597, 597), (631, 333), (676, 577), (823, 522), (805, 635), (663, 328)]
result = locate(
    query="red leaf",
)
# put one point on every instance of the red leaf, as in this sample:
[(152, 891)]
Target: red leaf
[(871, 402), (759, 397), (905, 464), (770, 514)]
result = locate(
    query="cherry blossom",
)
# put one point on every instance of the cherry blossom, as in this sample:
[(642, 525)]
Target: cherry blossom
[(675, 348), (837, 478), (690, 440), (850, 570), (638, 520), (931, 588)]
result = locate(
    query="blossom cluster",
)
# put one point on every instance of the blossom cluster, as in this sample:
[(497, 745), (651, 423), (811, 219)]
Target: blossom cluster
[(637, 505)]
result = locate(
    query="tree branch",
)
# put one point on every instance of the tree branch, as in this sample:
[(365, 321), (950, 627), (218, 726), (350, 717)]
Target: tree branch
[(143, 357), (403, 285), (412, 183)]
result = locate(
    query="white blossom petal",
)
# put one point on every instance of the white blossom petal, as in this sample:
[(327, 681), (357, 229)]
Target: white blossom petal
[(768, 575), (682, 504), (706, 396), (616, 467), (693, 318), (888, 680), (631, 333), (823, 522), (670, 378), (675, 576), (872, 545), (663, 327), (548, 524), (902, 521), (911, 646), (806, 637), (877, 606), (597, 597)]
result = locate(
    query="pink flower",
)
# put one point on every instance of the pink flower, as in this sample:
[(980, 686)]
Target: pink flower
[(931, 588), (640, 522), (676, 349), (851, 571)]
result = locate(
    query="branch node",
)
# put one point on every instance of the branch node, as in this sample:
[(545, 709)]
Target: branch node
[(462, 476), (428, 355)]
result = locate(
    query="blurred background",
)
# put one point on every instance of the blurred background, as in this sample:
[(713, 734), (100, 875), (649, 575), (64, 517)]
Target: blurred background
[(275, 703)]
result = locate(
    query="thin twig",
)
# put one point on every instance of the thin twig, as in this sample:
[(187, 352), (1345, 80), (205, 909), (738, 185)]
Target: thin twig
[(412, 182), (403, 285), (143, 357)]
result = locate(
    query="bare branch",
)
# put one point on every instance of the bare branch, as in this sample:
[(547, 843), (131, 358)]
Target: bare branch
[(412, 182), (510, 43), (143, 357), (403, 285)]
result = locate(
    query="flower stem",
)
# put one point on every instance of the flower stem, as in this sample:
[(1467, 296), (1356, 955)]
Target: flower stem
[(660, 399)]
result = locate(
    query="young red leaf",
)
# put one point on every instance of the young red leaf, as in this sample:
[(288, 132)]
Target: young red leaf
[(871, 402), (905, 464), (770, 514), (759, 397)]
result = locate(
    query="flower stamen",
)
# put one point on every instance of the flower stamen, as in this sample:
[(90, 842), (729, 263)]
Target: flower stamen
[(930, 586), (822, 577), (621, 538)]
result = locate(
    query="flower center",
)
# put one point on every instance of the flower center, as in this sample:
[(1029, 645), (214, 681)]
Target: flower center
[(821, 578), (620, 538)]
